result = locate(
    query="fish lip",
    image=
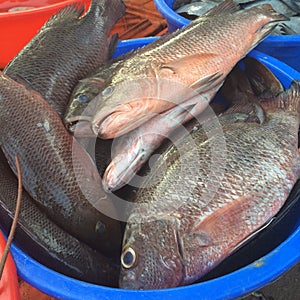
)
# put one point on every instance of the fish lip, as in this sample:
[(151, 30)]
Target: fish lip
[(100, 120), (80, 126), (125, 175)]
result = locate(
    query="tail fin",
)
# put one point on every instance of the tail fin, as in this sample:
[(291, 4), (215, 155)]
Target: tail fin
[(269, 12), (115, 10)]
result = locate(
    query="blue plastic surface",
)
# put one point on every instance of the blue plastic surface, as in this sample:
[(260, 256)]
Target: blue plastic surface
[(230, 286), (285, 48)]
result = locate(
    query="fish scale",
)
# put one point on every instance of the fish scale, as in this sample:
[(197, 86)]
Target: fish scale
[(218, 204)]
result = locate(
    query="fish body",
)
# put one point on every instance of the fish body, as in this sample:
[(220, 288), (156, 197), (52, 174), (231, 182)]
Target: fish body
[(57, 172), (66, 49), (228, 180), (47, 243), (197, 56)]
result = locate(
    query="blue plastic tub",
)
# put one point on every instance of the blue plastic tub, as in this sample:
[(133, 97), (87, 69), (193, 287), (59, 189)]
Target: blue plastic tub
[(262, 269), (285, 48)]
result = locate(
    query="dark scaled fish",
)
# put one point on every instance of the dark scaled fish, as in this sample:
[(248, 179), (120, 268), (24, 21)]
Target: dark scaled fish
[(147, 83), (57, 172), (47, 243), (66, 49), (220, 185)]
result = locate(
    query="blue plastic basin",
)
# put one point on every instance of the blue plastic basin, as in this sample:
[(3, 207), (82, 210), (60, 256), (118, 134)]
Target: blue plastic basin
[(285, 48), (244, 280)]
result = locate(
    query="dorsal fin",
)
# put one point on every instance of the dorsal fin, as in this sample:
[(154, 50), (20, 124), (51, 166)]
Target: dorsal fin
[(228, 6), (66, 14)]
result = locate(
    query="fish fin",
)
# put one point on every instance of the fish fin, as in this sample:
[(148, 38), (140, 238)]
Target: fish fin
[(269, 11), (288, 100), (201, 85), (180, 65), (115, 9), (264, 83), (259, 113), (112, 44), (253, 111), (230, 217), (65, 15), (227, 6)]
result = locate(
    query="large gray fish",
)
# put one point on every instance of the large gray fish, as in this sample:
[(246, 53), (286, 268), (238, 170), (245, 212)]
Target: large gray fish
[(47, 243), (57, 172), (145, 83), (66, 49), (224, 185)]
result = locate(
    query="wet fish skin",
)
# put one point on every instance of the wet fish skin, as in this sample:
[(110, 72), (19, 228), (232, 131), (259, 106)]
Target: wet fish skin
[(170, 57), (66, 49), (169, 243), (47, 243), (57, 172)]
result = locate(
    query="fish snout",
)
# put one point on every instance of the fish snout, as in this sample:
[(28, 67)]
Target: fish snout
[(80, 127)]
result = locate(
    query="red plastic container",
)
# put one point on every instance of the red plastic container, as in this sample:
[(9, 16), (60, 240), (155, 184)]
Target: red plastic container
[(9, 288), (18, 28)]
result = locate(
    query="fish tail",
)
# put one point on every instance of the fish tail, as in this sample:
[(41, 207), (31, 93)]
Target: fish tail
[(116, 9), (288, 100), (112, 10), (269, 11)]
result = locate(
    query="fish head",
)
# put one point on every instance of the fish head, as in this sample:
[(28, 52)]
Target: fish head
[(81, 106), (124, 106), (150, 257), (129, 153)]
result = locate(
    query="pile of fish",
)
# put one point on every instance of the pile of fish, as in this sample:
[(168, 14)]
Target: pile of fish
[(192, 9), (89, 124)]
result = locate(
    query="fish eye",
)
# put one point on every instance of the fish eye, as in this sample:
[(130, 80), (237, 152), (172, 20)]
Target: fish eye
[(83, 98), (108, 90), (128, 258)]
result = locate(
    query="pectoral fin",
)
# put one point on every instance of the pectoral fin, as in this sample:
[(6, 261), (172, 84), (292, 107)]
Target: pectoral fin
[(230, 219)]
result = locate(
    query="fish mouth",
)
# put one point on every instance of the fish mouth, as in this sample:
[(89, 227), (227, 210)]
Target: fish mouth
[(118, 174), (121, 120), (80, 126)]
